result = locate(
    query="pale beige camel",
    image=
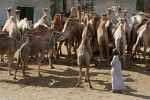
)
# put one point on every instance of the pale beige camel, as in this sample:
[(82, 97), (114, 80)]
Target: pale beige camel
[(84, 54), (143, 39), (23, 23), (102, 37), (120, 39), (8, 46), (43, 20), (10, 28), (135, 22)]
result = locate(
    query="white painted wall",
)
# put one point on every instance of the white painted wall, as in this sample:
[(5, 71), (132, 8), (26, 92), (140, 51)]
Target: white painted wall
[(37, 4), (100, 6)]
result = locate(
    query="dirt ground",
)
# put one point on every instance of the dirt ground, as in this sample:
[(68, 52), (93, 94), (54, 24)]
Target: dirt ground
[(59, 83)]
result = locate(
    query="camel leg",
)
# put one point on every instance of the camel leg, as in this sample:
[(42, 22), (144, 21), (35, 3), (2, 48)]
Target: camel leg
[(23, 68), (101, 57), (88, 77), (49, 59), (2, 58), (107, 50), (145, 48), (18, 62), (59, 48), (40, 59), (80, 75), (69, 49), (9, 64)]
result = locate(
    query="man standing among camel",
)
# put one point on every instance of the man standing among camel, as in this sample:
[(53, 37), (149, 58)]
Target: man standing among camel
[(117, 79)]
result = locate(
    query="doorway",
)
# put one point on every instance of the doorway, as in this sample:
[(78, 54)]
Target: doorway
[(27, 12)]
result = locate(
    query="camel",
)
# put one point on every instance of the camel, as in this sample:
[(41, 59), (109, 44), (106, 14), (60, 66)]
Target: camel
[(57, 25), (44, 32), (118, 11), (73, 12), (74, 38), (143, 39), (22, 24), (135, 22), (102, 37), (35, 45), (84, 54), (79, 9), (94, 23), (10, 28), (120, 39), (43, 20), (8, 46)]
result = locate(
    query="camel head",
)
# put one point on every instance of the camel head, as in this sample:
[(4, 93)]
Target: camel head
[(87, 32), (73, 12), (79, 7), (9, 12), (18, 15), (104, 17), (125, 13), (116, 8), (57, 17), (55, 36), (45, 11), (62, 13), (109, 11), (121, 21), (17, 12)]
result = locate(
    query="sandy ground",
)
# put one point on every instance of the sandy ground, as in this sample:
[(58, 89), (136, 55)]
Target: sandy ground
[(59, 83)]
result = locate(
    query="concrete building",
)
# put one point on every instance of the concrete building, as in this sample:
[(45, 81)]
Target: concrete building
[(32, 9)]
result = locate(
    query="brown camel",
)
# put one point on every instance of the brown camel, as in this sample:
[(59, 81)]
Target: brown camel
[(8, 46), (57, 25), (35, 45), (84, 54), (44, 32)]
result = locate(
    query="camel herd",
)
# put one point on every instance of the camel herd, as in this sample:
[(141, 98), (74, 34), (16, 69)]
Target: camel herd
[(82, 32)]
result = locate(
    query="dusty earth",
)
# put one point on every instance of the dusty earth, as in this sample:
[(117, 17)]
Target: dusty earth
[(59, 83)]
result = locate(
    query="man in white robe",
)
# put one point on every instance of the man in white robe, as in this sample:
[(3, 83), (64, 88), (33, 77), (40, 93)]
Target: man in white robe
[(117, 79)]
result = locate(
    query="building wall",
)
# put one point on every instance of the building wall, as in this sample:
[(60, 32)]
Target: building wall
[(37, 4), (100, 6)]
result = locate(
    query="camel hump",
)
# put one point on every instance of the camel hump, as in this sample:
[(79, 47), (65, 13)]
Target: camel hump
[(3, 35)]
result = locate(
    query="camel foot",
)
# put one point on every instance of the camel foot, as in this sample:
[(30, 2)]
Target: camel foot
[(10, 74), (91, 87), (40, 75), (15, 78), (61, 54), (78, 85), (51, 67), (98, 66), (86, 80)]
